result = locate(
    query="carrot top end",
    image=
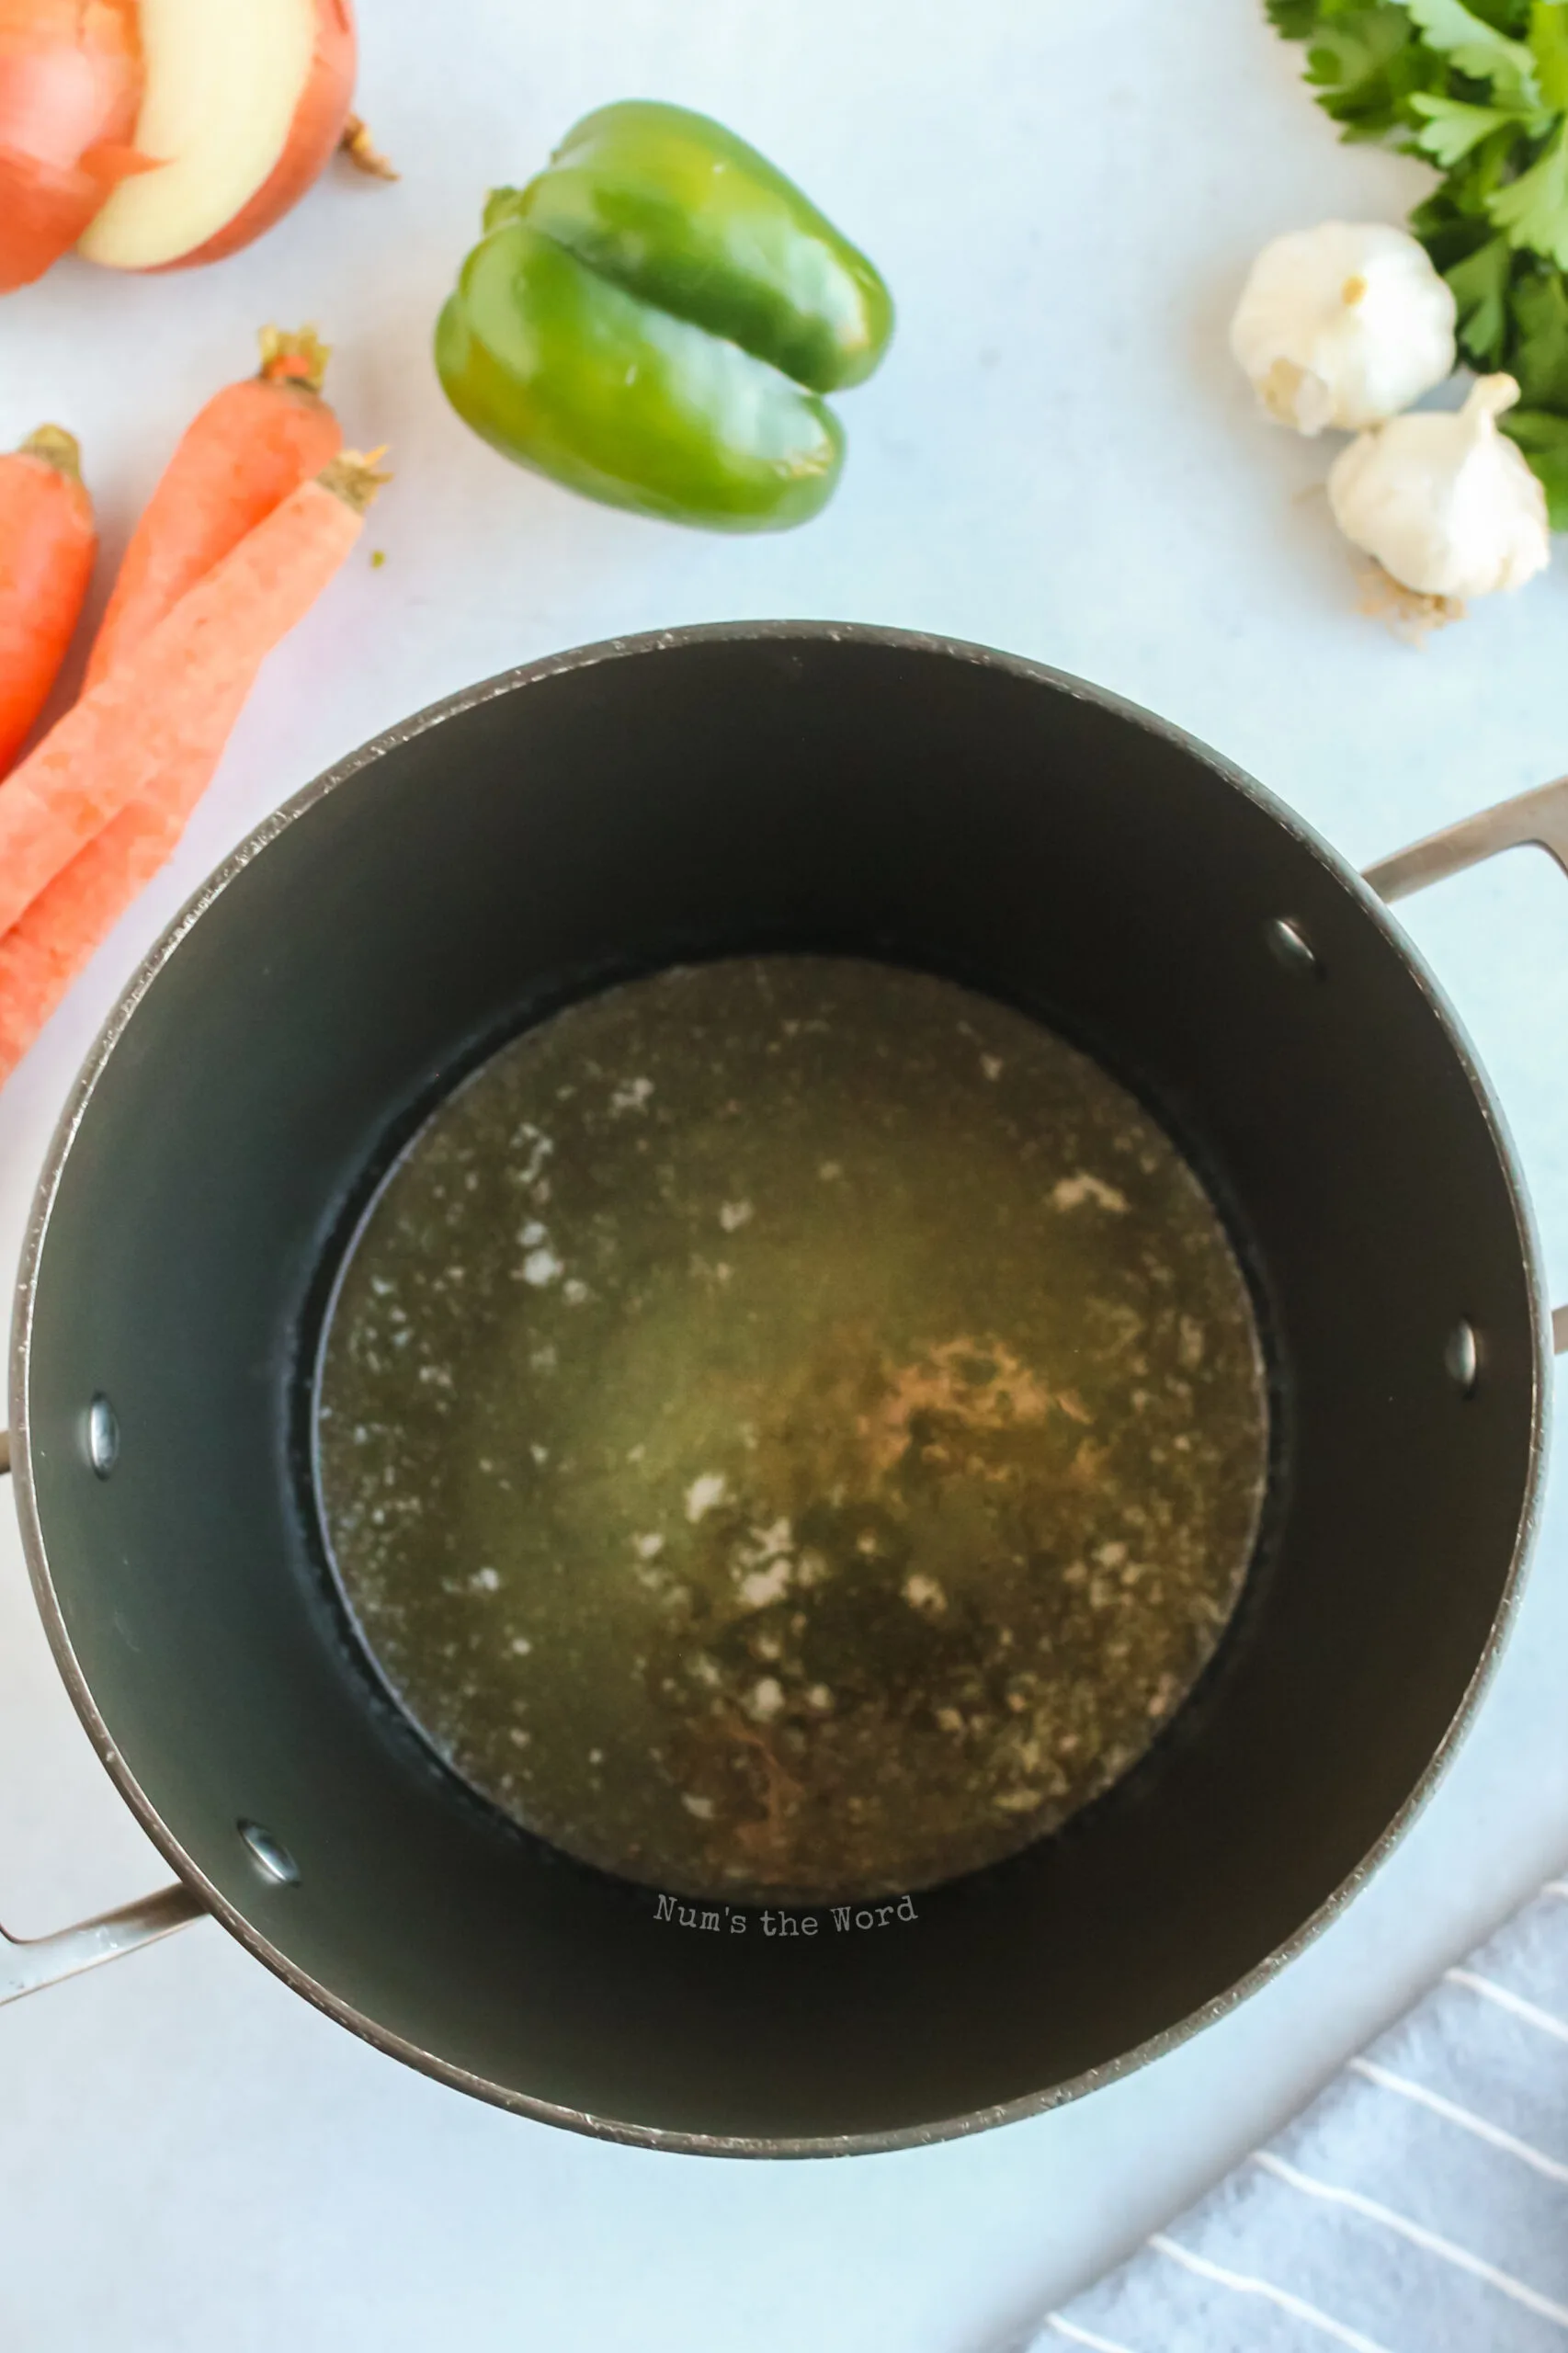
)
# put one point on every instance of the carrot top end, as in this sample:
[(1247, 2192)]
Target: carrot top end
[(352, 477), (293, 356), (56, 447)]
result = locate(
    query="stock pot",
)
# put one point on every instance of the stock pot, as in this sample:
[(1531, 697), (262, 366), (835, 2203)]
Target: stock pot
[(734, 790)]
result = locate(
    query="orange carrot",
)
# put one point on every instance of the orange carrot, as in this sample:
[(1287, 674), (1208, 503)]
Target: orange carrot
[(252, 445), (135, 734), (240, 458), (47, 545), (42, 953)]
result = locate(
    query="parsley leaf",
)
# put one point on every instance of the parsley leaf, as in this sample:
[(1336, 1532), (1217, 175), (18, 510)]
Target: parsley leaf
[(1451, 127), (1533, 211), (1539, 303), (1481, 287), (1478, 49), (1364, 63), (1548, 44)]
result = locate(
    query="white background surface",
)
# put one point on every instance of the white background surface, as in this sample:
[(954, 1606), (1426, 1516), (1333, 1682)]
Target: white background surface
[(1059, 459)]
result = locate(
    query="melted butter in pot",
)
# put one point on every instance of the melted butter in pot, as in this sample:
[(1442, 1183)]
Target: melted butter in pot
[(792, 1428)]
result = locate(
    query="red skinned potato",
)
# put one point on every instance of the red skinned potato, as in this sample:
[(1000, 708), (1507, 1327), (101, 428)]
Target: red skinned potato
[(70, 91), (243, 103)]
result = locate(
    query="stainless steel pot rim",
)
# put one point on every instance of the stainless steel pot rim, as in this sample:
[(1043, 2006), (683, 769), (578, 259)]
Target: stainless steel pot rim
[(321, 1997)]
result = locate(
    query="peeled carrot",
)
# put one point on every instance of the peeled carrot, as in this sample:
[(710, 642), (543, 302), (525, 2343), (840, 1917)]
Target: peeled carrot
[(42, 953), (238, 459), (252, 445), (47, 546), (135, 734)]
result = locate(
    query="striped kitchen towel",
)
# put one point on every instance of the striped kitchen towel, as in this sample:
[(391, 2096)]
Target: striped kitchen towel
[(1419, 2205)]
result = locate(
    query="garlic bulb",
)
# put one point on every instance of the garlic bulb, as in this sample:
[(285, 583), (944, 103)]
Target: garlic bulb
[(1444, 502), (1344, 324)]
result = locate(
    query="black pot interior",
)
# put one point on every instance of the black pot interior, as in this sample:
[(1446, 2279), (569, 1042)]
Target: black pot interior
[(725, 792)]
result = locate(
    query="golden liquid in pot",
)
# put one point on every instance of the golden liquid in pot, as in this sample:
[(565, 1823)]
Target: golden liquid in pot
[(792, 1428)]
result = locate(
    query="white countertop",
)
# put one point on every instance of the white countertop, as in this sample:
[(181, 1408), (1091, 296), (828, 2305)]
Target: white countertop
[(1058, 458)]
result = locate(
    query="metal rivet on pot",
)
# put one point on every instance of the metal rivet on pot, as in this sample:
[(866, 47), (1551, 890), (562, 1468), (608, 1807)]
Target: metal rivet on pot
[(103, 1437), (270, 1856), (1461, 1358), (1290, 946)]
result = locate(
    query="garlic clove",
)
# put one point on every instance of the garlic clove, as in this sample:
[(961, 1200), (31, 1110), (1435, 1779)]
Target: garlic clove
[(1296, 396), (1344, 324), (1445, 502)]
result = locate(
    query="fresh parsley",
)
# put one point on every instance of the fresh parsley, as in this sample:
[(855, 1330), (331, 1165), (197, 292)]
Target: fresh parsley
[(1480, 91)]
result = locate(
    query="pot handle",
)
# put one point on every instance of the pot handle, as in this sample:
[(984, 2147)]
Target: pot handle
[(1537, 820), (28, 1963)]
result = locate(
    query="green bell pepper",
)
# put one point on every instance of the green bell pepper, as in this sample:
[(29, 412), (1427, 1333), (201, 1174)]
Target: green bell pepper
[(653, 321)]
